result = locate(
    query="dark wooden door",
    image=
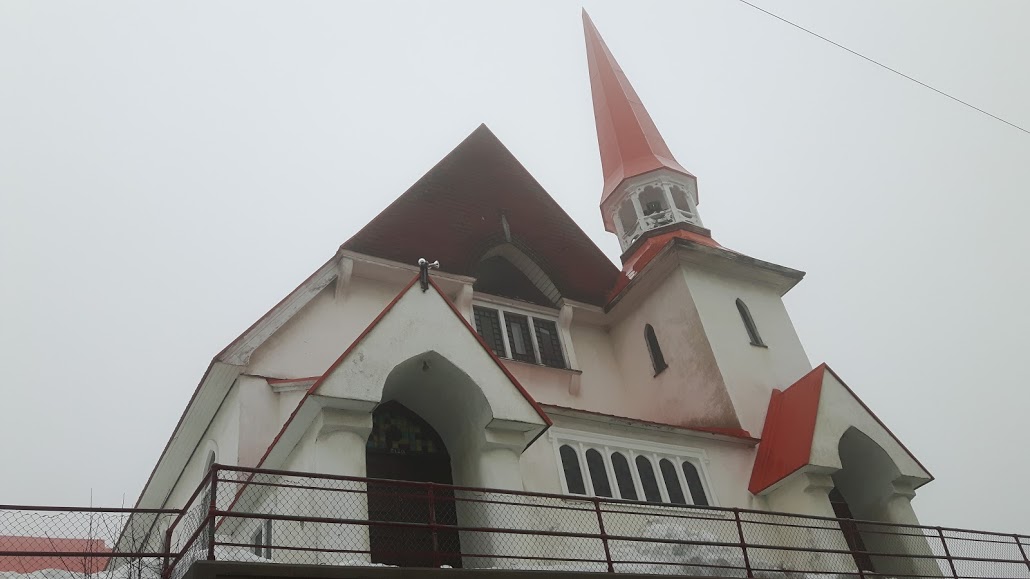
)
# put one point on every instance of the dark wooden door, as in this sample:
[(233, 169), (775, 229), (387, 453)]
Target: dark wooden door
[(852, 535), (403, 447)]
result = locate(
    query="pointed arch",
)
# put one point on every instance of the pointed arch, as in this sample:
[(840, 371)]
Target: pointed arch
[(654, 349), (528, 267), (749, 324)]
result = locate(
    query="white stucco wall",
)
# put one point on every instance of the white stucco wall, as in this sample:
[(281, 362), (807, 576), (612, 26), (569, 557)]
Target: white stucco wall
[(691, 391), (316, 336), (750, 372), (222, 435)]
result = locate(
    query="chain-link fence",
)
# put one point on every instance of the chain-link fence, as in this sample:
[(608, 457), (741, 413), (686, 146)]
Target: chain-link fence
[(252, 515), (62, 542)]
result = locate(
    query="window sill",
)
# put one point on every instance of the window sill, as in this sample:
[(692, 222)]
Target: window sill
[(535, 365)]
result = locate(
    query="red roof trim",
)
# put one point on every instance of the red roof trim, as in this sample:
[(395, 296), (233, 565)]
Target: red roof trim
[(482, 343), (739, 433), (338, 361), (877, 419), (788, 432), (314, 387)]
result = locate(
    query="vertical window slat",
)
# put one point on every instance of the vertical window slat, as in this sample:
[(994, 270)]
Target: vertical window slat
[(519, 339), (549, 343), (672, 482), (488, 324), (697, 490), (623, 476), (647, 479), (573, 472)]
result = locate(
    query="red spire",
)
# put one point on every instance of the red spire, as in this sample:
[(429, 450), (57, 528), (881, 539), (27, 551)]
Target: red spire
[(629, 140)]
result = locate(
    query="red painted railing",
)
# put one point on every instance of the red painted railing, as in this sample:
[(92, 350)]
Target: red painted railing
[(306, 518)]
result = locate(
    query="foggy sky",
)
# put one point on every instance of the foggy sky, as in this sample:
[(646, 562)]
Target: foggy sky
[(169, 171)]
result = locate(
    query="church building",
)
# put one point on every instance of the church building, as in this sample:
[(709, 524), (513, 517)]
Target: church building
[(523, 359)]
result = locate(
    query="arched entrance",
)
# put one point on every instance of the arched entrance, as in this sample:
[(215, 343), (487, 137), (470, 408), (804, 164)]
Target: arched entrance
[(404, 447)]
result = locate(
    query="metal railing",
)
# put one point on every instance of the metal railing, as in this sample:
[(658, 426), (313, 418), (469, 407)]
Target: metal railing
[(258, 515)]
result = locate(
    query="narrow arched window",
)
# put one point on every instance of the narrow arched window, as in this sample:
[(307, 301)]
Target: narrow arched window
[(749, 324), (573, 473), (648, 480), (657, 359), (697, 490), (623, 476), (672, 482), (598, 475)]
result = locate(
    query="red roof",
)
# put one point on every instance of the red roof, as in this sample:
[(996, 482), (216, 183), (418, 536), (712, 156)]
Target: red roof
[(789, 430), (75, 555), (453, 214), (649, 246), (629, 141)]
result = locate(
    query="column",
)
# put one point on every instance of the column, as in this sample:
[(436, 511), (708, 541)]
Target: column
[(340, 439), (495, 465), (804, 493)]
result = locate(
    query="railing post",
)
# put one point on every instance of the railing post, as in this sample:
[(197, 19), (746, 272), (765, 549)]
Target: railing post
[(167, 550), (604, 535), (211, 508), (743, 543), (1022, 551), (432, 525), (947, 552)]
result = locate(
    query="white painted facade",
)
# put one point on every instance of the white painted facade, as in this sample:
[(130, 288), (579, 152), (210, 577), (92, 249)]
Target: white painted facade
[(298, 390)]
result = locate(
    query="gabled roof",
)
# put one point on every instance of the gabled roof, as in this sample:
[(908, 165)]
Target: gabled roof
[(629, 141), (294, 427), (800, 431), (454, 214)]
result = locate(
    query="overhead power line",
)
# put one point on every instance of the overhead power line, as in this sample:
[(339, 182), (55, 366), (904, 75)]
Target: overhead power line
[(881, 65)]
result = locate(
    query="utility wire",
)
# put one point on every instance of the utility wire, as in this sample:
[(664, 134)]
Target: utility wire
[(881, 65)]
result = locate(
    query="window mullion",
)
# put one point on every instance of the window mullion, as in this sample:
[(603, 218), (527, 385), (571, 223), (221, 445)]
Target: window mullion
[(606, 455), (657, 466), (504, 333), (636, 475), (532, 339), (683, 480), (582, 450)]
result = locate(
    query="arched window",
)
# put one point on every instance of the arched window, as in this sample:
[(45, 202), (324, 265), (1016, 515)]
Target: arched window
[(657, 359), (672, 482), (648, 480), (623, 476), (749, 324), (697, 490), (598, 475), (573, 473)]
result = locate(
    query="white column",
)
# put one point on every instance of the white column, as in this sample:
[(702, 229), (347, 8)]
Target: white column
[(341, 436), (804, 493), (494, 465), (898, 509)]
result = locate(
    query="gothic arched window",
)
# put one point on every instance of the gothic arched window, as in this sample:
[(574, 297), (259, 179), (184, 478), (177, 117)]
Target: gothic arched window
[(749, 324), (657, 359), (573, 472)]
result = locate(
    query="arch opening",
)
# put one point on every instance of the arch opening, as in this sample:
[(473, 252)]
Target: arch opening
[(864, 490), (404, 447)]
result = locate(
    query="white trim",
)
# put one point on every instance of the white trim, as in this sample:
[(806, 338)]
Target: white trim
[(654, 452), (532, 313)]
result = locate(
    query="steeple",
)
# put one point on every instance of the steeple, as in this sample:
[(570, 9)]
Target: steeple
[(645, 188)]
